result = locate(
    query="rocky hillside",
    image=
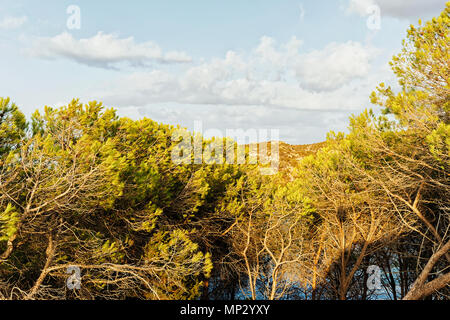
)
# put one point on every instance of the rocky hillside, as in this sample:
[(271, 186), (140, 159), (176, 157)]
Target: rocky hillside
[(291, 154)]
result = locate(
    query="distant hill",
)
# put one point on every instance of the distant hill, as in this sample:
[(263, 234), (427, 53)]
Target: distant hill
[(291, 154)]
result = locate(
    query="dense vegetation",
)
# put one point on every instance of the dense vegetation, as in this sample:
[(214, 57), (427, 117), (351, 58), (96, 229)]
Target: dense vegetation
[(80, 186)]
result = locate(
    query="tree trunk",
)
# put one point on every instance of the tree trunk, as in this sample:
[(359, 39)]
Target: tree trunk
[(420, 289)]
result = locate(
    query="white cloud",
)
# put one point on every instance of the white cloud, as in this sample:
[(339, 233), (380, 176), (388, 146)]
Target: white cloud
[(12, 22), (270, 76), (404, 9), (336, 64), (104, 51)]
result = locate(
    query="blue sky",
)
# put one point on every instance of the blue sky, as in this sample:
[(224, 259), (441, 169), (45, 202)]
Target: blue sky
[(302, 67)]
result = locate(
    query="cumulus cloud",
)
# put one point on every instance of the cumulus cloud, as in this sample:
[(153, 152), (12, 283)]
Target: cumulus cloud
[(404, 9), (12, 22), (336, 64), (272, 76), (104, 51)]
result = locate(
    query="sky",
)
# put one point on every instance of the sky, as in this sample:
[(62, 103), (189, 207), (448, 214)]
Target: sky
[(300, 67)]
